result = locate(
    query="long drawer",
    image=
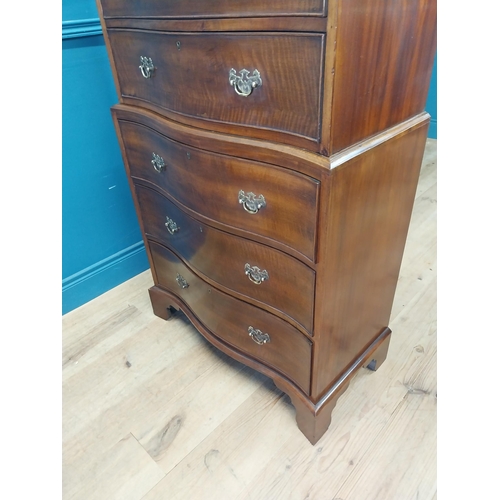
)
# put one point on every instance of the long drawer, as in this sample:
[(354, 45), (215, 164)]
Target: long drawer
[(269, 81), (212, 8), (251, 330), (257, 271), (220, 187)]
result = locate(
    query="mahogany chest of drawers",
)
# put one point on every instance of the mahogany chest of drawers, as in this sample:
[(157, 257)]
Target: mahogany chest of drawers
[(273, 150)]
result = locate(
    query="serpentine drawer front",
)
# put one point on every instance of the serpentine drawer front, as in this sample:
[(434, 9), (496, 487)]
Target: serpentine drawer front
[(253, 270), (224, 77), (278, 345), (273, 150), (276, 203)]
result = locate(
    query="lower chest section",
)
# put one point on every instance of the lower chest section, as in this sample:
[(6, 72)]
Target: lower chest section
[(234, 240)]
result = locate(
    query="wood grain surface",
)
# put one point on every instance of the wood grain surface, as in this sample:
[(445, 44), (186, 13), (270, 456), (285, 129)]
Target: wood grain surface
[(209, 183), (191, 78), (329, 82), (152, 411), (287, 351), (213, 8), (383, 64), (222, 257), (364, 217)]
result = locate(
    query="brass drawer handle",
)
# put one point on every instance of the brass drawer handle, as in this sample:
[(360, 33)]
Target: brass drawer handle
[(251, 203), (243, 84), (172, 226), (147, 67), (255, 275), (181, 281), (258, 337), (158, 163)]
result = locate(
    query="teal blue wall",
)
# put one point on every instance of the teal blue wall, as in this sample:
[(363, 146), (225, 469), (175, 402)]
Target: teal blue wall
[(102, 244), (75, 10), (431, 105)]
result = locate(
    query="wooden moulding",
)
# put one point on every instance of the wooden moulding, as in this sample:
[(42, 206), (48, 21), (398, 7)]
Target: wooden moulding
[(297, 160), (289, 24), (313, 419), (214, 9)]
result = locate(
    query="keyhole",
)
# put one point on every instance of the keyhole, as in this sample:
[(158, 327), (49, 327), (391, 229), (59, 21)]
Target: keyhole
[(178, 45), (188, 154)]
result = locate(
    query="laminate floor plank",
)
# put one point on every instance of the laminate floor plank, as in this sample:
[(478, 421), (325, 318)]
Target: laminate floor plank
[(125, 472), (181, 424), (79, 321), (231, 456), (152, 411), (110, 398), (398, 462), (362, 413), (419, 264), (101, 324), (428, 169)]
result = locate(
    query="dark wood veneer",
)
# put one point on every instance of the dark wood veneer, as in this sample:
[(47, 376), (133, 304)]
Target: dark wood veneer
[(222, 257), (334, 142), (365, 213), (375, 73), (192, 79), (288, 24), (228, 318), (213, 8), (209, 184), (383, 64), (273, 154)]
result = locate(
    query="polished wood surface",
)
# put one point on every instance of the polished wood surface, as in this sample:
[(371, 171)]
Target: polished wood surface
[(272, 154), (313, 419), (213, 8), (286, 24), (383, 64), (351, 94), (221, 257), (365, 216), (209, 184), (229, 319), (136, 389), (361, 243), (374, 70), (192, 79)]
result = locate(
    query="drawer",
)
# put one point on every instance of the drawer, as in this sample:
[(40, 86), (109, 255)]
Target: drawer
[(213, 8), (210, 184), (279, 281), (286, 349), (192, 75)]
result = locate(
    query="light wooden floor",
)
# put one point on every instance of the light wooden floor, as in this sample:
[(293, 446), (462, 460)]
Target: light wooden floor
[(152, 411)]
